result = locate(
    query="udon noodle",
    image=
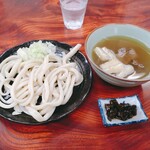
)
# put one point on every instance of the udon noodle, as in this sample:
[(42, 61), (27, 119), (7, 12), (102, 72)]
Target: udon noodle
[(36, 87)]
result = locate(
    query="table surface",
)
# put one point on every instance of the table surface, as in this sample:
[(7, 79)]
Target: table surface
[(25, 20)]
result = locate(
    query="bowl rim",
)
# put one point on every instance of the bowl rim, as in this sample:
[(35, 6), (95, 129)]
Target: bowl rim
[(91, 61)]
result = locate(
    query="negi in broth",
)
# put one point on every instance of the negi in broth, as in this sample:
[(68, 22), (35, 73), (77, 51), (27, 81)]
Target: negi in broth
[(141, 63)]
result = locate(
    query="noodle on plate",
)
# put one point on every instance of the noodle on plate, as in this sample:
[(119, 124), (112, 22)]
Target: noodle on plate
[(37, 85)]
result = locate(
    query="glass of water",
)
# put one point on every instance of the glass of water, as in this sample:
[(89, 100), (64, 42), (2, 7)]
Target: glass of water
[(73, 12)]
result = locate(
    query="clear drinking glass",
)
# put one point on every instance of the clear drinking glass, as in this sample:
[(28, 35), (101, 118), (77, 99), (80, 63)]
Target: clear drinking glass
[(73, 12)]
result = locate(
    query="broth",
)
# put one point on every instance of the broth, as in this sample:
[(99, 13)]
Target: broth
[(142, 54)]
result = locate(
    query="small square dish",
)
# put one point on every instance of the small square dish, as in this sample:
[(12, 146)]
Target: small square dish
[(131, 100)]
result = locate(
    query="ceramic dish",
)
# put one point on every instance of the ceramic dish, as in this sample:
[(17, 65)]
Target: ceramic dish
[(79, 93), (132, 100), (110, 30)]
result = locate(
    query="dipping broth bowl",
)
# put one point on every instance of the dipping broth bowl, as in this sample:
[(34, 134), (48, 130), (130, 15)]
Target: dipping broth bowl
[(110, 30)]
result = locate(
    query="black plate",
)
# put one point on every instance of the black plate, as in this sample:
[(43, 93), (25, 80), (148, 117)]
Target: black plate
[(79, 93)]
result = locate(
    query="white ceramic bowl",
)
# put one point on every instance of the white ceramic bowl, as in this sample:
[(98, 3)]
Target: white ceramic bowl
[(116, 30)]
